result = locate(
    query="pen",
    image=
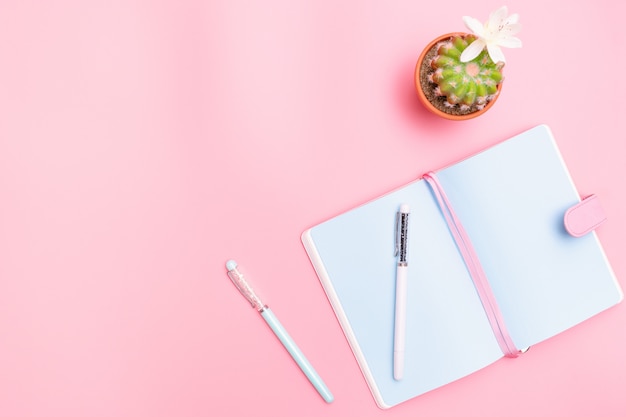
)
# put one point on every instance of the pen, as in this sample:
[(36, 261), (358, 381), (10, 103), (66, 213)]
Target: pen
[(246, 290), (399, 336)]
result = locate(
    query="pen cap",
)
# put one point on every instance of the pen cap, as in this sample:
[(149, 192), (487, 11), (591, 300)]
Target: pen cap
[(242, 285)]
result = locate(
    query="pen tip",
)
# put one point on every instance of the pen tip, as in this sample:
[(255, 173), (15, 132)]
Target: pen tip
[(230, 265), (404, 208)]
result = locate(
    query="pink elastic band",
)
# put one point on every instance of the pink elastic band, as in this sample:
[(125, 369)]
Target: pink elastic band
[(475, 269)]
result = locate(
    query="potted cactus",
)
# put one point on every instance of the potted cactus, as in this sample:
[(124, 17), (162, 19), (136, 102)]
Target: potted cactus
[(458, 76)]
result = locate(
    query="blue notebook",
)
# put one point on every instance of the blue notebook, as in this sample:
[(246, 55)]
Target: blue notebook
[(511, 199)]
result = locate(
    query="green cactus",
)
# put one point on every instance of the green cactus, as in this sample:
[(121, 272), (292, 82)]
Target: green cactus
[(465, 84)]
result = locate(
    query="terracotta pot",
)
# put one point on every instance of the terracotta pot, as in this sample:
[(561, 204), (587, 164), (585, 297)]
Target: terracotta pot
[(422, 97)]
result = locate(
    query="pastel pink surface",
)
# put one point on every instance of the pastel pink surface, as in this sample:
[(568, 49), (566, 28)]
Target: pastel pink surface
[(145, 143)]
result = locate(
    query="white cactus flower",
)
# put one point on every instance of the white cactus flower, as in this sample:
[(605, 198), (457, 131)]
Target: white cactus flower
[(497, 32)]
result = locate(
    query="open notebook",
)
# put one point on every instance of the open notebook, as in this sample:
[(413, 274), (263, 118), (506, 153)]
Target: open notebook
[(511, 199)]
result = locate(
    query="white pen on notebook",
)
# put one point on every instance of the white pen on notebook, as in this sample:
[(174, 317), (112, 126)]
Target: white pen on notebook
[(246, 290), (399, 336)]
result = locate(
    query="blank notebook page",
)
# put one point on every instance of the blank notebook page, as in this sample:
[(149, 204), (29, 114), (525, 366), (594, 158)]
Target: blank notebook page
[(447, 335), (512, 200)]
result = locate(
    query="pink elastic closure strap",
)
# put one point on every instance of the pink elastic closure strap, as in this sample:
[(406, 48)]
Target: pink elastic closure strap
[(475, 269), (584, 216)]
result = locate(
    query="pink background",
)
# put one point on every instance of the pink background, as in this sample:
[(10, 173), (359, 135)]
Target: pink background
[(144, 143)]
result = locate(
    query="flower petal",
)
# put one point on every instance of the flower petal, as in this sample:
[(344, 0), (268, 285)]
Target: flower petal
[(510, 30), (495, 53), (499, 15), (510, 42), (473, 50), (474, 25), (511, 20)]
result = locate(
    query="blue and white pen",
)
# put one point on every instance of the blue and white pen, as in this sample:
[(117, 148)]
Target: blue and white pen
[(399, 337), (238, 279)]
